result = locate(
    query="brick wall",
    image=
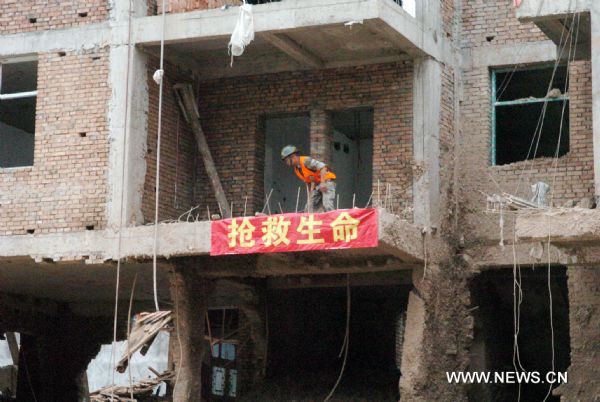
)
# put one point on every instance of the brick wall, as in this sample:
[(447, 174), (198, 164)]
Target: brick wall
[(232, 109), (584, 317), (65, 190), (574, 173), (572, 176), (180, 6), (495, 20), (447, 151), (178, 151), (36, 15)]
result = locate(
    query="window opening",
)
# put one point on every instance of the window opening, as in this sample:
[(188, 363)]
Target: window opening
[(222, 326), (18, 92), (518, 102)]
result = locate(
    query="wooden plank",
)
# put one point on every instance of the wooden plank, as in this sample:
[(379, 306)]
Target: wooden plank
[(13, 345), (187, 102)]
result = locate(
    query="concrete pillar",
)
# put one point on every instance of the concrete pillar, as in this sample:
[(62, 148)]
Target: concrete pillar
[(321, 135), (412, 349), (436, 337), (134, 102), (584, 321), (189, 293), (595, 39), (427, 98), (428, 13)]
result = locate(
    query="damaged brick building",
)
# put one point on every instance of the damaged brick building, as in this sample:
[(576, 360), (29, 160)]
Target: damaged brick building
[(442, 119)]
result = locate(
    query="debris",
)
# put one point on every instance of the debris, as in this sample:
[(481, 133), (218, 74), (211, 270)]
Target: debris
[(142, 335), (554, 93), (119, 393), (539, 190), (497, 202), (569, 204), (587, 203)]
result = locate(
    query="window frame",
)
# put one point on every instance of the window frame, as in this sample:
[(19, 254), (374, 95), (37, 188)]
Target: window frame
[(495, 103), (18, 95)]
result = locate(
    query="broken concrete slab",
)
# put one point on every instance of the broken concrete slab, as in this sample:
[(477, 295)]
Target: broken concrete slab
[(575, 225)]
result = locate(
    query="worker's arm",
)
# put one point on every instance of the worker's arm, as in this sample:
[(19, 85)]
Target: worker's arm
[(323, 172)]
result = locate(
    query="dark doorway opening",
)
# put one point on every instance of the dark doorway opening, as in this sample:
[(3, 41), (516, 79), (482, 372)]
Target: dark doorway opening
[(352, 155), (279, 180), (492, 349), (306, 333)]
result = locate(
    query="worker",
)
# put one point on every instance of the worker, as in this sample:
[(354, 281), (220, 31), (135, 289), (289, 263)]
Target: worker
[(319, 180)]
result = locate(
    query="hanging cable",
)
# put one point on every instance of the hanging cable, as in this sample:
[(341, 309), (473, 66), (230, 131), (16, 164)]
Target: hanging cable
[(555, 166), (346, 342), (113, 353), (529, 161), (158, 77)]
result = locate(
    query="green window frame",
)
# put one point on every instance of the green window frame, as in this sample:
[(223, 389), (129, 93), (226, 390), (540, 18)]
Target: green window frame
[(495, 103)]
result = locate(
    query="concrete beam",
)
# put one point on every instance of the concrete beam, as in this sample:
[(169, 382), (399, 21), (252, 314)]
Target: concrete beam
[(335, 281), (487, 257), (293, 50), (85, 37), (511, 54), (175, 239)]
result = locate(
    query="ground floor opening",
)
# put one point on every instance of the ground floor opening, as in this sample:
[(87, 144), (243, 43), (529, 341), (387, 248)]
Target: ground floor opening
[(306, 331), (494, 294)]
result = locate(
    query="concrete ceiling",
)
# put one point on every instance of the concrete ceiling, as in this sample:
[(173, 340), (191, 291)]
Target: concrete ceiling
[(78, 282), (571, 31), (328, 46)]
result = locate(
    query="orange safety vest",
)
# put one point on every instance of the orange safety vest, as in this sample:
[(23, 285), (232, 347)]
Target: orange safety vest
[(310, 176)]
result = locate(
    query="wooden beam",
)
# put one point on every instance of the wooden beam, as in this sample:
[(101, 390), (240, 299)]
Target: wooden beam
[(189, 108), (13, 345), (293, 49)]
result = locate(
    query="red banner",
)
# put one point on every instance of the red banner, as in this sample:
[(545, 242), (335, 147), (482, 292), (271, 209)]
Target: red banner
[(341, 229)]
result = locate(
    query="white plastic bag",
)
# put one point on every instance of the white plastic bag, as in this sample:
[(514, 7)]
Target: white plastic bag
[(243, 33)]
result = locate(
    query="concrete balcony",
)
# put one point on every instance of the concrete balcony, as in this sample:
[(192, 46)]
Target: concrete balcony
[(79, 267), (559, 20), (400, 242), (291, 35)]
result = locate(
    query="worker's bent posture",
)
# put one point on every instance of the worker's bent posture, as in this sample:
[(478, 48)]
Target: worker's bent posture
[(320, 181)]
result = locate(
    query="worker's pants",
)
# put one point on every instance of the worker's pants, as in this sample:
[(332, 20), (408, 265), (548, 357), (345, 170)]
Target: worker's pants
[(323, 201)]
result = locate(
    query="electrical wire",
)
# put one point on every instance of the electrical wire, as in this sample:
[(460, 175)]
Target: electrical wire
[(346, 343), (157, 179)]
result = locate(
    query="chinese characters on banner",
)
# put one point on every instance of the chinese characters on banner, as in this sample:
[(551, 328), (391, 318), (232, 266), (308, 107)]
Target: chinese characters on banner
[(346, 228)]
